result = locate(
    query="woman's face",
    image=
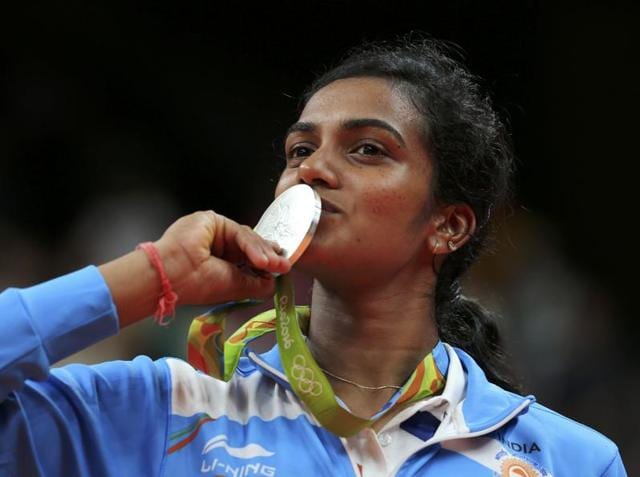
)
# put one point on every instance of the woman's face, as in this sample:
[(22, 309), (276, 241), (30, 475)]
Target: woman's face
[(359, 142)]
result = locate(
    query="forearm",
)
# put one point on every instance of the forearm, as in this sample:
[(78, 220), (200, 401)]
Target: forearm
[(50, 321), (134, 286)]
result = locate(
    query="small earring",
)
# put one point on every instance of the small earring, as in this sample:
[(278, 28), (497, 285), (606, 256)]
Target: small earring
[(451, 245), (436, 246)]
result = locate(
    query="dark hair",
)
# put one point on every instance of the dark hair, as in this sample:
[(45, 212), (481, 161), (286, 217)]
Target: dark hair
[(473, 164)]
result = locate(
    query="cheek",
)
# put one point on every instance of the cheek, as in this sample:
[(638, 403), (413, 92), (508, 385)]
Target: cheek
[(386, 203), (397, 194), (287, 179)]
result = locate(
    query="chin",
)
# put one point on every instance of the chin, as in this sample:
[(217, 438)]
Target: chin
[(325, 267), (308, 262), (314, 263)]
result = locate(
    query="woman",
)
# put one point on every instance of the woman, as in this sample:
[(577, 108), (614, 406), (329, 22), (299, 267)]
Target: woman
[(410, 161)]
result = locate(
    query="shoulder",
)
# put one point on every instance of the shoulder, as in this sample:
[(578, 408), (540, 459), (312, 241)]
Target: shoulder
[(185, 377), (570, 445), (568, 431), (193, 391), (556, 442), (250, 393)]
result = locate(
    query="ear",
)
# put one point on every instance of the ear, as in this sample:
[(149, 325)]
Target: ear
[(453, 227)]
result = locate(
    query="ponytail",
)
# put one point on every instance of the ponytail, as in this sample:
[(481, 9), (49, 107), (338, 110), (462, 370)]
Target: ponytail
[(464, 323)]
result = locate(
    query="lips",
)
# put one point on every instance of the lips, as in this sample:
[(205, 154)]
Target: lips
[(329, 207)]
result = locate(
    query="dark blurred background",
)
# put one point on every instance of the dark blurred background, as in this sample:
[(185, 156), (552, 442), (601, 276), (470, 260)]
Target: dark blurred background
[(118, 117)]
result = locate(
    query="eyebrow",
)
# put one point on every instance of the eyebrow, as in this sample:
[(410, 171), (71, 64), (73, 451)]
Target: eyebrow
[(349, 124)]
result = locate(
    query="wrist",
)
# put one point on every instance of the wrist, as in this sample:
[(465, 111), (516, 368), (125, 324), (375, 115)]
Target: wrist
[(134, 286), (167, 300), (176, 264)]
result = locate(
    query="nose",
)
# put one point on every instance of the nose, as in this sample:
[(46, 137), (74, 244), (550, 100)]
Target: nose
[(319, 170)]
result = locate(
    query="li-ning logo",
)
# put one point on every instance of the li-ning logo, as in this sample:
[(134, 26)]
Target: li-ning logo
[(250, 451), (305, 377), (247, 452)]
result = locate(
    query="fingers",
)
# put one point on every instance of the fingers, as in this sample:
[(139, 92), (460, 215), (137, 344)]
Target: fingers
[(254, 286), (234, 283), (262, 254), (259, 253)]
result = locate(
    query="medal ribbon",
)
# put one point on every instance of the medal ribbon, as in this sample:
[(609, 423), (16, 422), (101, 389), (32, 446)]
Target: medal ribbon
[(305, 376)]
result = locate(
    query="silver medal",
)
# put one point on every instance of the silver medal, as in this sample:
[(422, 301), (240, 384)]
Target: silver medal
[(291, 220)]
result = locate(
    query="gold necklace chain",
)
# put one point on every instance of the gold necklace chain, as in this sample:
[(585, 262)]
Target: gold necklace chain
[(361, 386)]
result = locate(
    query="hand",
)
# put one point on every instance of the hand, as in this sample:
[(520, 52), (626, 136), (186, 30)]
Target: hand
[(202, 254), (207, 258)]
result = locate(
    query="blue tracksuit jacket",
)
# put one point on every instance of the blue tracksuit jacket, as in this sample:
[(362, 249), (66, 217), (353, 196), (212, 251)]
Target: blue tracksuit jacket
[(162, 418)]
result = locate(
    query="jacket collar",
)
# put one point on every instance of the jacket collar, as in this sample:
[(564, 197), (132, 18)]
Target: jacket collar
[(269, 363), (468, 406), (486, 404)]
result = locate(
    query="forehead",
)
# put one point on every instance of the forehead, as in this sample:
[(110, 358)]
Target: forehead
[(366, 97)]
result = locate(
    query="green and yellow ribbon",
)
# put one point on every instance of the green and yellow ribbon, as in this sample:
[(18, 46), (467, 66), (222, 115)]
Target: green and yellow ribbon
[(206, 352)]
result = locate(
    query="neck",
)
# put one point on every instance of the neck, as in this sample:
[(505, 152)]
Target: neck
[(374, 337)]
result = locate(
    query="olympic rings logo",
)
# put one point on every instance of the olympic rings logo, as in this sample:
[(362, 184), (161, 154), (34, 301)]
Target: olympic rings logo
[(305, 377)]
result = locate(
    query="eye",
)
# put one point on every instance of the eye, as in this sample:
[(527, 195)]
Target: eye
[(297, 152), (370, 150)]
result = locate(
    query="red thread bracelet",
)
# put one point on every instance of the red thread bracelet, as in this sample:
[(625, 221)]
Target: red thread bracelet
[(168, 298)]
